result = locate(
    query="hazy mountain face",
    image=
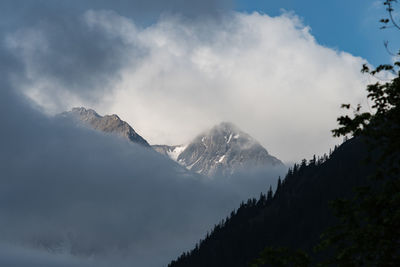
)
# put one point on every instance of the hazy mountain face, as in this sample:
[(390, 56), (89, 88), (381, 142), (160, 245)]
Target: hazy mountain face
[(223, 150), (108, 124)]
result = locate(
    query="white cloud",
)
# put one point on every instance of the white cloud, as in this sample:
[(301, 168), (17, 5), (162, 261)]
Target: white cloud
[(266, 74)]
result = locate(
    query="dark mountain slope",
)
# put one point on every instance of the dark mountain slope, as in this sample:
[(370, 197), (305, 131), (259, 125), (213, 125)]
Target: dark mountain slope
[(296, 216)]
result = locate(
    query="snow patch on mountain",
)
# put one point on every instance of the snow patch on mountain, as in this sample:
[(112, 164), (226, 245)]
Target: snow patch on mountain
[(221, 158), (175, 152)]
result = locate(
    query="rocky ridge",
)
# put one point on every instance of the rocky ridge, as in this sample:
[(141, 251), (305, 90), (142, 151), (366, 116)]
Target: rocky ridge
[(108, 124)]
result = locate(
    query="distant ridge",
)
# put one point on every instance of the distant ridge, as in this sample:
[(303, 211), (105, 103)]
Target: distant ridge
[(108, 124)]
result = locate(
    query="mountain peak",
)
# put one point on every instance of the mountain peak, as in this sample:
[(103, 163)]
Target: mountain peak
[(227, 126), (81, 111), (222, 150), (108, 123), (226, 129)]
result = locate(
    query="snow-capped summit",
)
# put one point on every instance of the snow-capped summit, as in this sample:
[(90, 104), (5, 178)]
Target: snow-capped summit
[(220, 151)]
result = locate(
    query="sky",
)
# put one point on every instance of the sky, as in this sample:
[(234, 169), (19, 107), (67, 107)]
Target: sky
[(71, 196)]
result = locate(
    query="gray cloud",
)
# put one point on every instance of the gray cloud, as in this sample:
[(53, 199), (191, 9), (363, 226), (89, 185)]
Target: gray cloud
[(65, 53), (57, 45), (142, 11)]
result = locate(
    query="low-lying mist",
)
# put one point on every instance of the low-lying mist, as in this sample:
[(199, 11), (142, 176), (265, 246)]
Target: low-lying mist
[(71, 196)]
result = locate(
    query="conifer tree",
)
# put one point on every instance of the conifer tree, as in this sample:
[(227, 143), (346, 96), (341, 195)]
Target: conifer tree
[(313, 161), (269, 194), (303, 164), (278, 187)]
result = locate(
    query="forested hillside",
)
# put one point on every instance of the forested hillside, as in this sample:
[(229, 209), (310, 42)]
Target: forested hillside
[(294, 216)]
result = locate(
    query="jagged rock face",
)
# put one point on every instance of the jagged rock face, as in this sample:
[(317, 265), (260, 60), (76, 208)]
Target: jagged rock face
[(221, 151), (108, 123)]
